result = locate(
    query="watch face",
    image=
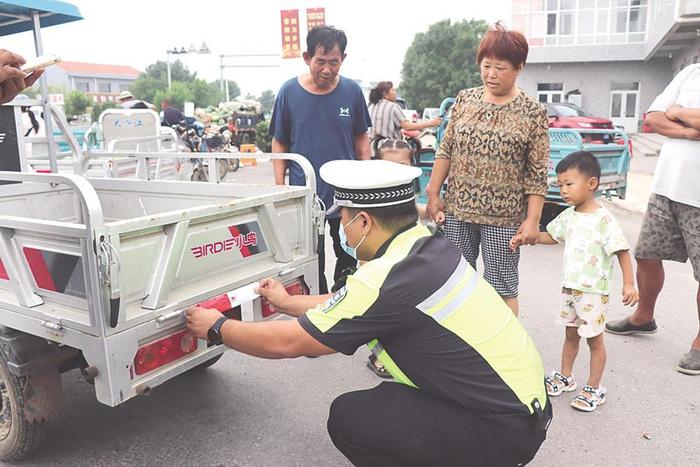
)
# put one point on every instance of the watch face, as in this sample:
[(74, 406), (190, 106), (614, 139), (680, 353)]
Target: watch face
[(214, 336)]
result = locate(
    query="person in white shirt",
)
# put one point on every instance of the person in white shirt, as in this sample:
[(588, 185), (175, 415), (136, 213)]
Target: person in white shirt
[(671, 226)]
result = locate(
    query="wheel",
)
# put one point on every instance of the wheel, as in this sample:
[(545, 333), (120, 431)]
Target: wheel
[(233, 164), (222, 166), (208, 363), (19, 437), (199, 175), (549, 212), (246, 139)]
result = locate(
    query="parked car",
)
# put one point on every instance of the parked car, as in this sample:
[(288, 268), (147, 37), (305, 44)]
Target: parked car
[(567, 115), (430, 113)]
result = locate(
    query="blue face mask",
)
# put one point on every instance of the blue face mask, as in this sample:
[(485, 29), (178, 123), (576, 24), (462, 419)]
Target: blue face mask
[(344, 240)]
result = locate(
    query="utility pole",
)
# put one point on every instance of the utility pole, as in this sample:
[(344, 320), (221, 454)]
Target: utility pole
[(222, 66)]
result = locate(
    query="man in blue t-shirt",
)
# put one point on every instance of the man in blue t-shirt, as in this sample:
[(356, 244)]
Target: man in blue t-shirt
[(323, 117)]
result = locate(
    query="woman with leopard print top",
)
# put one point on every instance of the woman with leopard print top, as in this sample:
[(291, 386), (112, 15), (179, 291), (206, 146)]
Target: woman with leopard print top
[(496, 153)]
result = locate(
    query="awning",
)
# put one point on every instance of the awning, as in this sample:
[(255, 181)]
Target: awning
[(16, 16)]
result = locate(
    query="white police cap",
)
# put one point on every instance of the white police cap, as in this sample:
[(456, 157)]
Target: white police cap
[(369, 183)]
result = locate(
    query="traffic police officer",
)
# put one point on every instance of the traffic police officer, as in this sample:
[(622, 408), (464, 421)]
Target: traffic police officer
[(469, 382)]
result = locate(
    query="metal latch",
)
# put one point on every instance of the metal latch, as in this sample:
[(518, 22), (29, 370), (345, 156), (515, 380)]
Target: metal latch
[(108, 268)]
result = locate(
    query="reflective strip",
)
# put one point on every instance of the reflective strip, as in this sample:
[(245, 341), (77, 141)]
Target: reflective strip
[(446, 288), (457, 302)]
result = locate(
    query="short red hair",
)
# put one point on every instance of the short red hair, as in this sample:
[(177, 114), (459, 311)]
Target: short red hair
[(502, 44)]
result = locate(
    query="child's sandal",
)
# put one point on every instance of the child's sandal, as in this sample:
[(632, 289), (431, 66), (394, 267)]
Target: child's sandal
[(557, 383), (589, 404)]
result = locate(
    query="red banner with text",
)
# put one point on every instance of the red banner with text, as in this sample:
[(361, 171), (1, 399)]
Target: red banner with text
[(315, 17), (290, 33)]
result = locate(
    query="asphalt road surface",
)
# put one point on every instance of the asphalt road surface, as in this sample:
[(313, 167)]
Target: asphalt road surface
[(253, 412)]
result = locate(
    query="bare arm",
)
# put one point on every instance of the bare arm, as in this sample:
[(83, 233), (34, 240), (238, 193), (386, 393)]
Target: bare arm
[(279, 166), (361, 144), (660, 123), (546, 239), (687, 117), (436, 208), (630, 296), (275, 339), (406, 125)]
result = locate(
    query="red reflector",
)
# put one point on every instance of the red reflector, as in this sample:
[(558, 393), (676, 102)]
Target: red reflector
[(161, 352), (298, 287)]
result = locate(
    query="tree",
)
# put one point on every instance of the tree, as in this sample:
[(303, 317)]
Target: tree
[(267, 100), (152, 86), (76, 103), (178, 94), (441, 62), (98, 108)]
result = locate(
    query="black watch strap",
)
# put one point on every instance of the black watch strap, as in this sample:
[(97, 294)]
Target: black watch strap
[(214, 334)]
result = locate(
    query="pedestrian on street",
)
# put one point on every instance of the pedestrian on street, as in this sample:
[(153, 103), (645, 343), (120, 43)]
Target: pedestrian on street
[(469, 383), (322, 116), (496, 153), (387, 117), (592, 238), (170, 115), (671, 226), (12, 79)]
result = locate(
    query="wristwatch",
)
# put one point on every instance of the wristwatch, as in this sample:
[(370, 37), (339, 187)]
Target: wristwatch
[(214, 332)]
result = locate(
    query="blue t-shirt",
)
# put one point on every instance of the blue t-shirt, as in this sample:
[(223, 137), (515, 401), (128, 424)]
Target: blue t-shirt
[(321, 128)]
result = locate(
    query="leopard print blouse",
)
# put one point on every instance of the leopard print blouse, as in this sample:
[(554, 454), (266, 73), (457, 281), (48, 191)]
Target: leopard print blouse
[(499, 154)]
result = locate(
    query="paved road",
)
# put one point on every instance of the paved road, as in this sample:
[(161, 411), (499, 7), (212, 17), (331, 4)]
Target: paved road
[(247, 411)]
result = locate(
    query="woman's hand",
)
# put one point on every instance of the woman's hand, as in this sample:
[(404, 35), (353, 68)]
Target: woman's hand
[(436, 209), (529, 231)]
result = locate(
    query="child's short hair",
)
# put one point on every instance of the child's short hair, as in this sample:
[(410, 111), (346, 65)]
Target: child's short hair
[(582, 161), (392, 144)]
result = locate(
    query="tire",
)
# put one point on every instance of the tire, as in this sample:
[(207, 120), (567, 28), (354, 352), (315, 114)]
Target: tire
[(246, 139), (19, 438), (234, 164), (208, 363), (549, 212), (222, 167), (199, 175)]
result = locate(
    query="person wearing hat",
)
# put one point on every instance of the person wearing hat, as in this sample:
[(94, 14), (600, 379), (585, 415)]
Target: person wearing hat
[(127, 101), (469, 382)]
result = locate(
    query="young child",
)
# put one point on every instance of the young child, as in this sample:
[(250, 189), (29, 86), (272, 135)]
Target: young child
[(396, 150), (592, 237)]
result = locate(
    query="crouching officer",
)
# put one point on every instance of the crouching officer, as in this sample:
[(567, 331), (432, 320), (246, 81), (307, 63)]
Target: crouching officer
[(469, 382)]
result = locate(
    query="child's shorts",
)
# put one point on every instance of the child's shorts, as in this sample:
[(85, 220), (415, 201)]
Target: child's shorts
[(583, 310)]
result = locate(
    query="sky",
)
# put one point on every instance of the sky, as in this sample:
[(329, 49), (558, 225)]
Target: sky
[(138, 33)]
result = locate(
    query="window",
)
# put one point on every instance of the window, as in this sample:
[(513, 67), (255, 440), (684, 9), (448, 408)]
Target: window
[(82, 86), (104, 87), (550, 92), (571, 22), (629, 86), (123, 87)]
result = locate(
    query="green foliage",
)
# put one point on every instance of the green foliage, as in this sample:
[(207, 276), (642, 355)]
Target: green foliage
[(441, 62), (178, 94), (152, 86), (262, 140), (178, 71), (76, 103), (98, 108), (267, 100)]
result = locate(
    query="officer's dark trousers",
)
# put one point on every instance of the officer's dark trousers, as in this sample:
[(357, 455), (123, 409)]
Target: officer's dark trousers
[(394, 424), (343, 260)]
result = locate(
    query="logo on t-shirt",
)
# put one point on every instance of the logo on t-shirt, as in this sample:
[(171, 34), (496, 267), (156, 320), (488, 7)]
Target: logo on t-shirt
[(344, 112)]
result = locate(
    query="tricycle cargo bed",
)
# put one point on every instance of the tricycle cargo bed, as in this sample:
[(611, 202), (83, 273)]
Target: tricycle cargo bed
[(107, 265)]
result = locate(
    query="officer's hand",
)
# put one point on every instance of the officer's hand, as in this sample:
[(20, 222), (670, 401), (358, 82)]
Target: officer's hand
[(273, 291), (199, 320)]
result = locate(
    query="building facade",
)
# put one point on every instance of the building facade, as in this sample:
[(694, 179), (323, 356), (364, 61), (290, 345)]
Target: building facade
[(613, 57), (102, 82)]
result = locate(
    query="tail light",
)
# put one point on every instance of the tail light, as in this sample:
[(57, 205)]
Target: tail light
[(298, 287), (163, 351)]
